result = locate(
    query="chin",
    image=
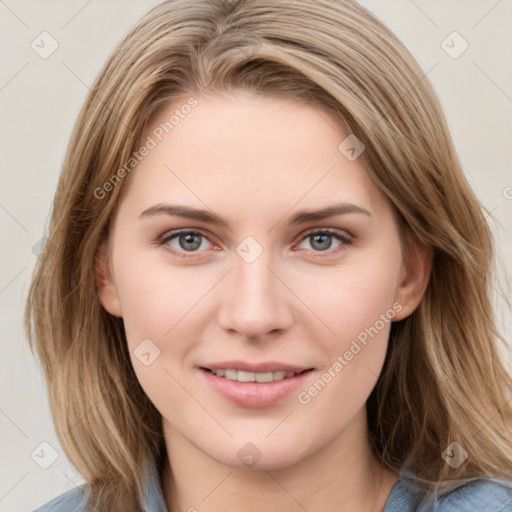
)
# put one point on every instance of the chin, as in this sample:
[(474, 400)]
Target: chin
[(264, 455)]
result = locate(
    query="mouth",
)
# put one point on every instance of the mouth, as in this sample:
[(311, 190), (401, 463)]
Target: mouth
[(254, 385), (261, 377)]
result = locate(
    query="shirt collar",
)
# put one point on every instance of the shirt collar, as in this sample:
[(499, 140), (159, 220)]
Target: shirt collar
[(154, 498)]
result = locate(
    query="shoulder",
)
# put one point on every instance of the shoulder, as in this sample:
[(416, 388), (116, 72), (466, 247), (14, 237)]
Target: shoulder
[(485, 495), (482, 495), (73, 500)]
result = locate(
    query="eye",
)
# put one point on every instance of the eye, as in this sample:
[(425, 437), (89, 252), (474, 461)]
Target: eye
[(321, 239), (185, 241)]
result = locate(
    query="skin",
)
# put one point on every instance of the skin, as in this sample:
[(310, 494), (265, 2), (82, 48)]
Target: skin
[(256, 161)]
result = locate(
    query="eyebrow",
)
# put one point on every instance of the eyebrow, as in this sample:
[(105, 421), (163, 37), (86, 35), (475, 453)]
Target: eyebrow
[(300, 217)]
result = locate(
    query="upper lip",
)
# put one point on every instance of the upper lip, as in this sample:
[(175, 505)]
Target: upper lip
[(266, 366)]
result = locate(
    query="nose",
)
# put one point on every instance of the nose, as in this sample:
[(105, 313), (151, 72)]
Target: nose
[(256, 301)]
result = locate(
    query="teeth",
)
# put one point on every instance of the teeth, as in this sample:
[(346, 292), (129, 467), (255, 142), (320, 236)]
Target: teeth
[(264, 377), (242, 376), (245, 376), (229, 374)]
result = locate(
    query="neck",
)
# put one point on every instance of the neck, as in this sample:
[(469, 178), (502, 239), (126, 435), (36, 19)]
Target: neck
[(343, 475)]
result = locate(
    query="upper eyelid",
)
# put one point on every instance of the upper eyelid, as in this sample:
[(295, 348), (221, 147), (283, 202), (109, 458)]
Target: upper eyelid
[(176, 232)]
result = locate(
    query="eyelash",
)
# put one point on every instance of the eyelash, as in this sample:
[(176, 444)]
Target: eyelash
[(167, 237)]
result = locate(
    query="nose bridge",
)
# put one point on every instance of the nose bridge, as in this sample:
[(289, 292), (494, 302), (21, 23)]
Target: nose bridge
[(255, 299)]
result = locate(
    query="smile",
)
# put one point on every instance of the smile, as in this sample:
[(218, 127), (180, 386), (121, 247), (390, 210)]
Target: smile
[(254, 385), (244, 376)]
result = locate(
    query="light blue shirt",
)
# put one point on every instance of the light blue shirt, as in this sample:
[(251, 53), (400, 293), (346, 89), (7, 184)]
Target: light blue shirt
[(479, 496)]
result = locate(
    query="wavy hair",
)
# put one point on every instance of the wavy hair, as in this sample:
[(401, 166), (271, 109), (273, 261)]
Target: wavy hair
[(442, 381)]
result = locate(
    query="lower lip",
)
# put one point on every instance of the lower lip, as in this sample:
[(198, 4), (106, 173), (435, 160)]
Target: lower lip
[(255, 394)]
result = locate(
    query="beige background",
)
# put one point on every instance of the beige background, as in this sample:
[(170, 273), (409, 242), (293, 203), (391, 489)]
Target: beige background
[(40, 99)]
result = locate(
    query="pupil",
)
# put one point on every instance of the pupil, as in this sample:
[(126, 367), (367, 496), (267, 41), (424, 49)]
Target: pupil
[(324, 246), (189, 239), (322, 241)]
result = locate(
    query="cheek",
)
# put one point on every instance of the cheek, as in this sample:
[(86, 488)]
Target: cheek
[(360, 306), (163, 317), (156, 299), (352, 298), (356, 305), (157, 305)]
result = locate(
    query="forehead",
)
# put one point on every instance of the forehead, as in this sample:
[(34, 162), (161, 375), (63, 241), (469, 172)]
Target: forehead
[(249, 148)]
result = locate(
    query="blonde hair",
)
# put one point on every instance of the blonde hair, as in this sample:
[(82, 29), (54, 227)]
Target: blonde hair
[(442, 381)]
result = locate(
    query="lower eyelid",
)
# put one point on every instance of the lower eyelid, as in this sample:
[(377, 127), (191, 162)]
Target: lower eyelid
[(343, 238), (167, 237)]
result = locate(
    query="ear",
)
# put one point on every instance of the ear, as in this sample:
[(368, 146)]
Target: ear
[(107, 290), (414, 278)]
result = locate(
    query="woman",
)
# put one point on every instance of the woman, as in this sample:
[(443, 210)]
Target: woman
[(269, 278)]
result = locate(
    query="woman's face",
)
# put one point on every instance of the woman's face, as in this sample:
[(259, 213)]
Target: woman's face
[(217, 260)]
